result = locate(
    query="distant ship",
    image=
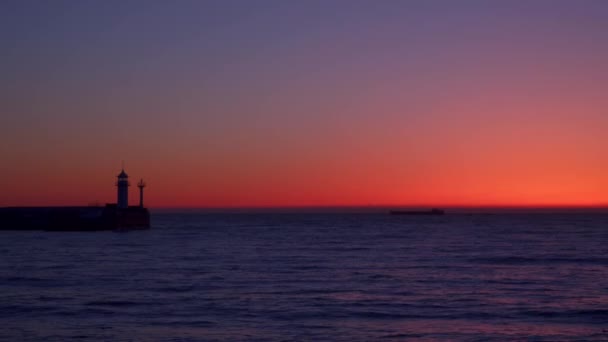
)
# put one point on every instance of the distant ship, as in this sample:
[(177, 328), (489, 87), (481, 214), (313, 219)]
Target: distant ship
[(114, 216), (418, 212)]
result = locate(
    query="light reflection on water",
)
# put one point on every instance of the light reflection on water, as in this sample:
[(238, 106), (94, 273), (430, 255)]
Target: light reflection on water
[(336, 277)]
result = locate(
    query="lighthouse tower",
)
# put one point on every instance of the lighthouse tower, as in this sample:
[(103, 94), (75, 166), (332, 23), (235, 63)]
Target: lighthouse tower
[(123, 190)]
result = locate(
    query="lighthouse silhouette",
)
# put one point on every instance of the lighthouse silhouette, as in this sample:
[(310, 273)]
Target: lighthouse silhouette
[(122, 185), (123, 216)]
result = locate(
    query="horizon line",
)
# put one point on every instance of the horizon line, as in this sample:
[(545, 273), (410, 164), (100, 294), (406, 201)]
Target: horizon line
[(599, 206), (389, 206)]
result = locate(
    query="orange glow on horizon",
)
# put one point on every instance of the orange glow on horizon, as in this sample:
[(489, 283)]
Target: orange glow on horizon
[(520, 161)]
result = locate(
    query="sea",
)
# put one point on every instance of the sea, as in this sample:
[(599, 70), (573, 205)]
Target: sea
[(331, 276)]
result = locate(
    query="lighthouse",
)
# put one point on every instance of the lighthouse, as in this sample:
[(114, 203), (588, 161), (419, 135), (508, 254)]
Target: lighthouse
[(122, 184)]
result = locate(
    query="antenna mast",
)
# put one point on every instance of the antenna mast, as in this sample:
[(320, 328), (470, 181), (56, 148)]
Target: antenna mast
[(141, 185)]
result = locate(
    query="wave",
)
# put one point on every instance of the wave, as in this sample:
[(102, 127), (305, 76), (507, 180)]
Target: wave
[(513, 260), (570, 314), (114, 303)]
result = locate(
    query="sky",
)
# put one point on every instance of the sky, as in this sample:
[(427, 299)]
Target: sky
[(305, 103)]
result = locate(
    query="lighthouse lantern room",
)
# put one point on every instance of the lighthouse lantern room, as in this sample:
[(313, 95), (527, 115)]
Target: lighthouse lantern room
[(123, 190)]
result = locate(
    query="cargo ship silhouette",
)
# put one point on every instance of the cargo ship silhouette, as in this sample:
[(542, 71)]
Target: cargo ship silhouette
[(433, 211), (112, 216)]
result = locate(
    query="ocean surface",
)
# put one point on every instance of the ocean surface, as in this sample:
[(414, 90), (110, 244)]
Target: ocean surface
[(311, 277)]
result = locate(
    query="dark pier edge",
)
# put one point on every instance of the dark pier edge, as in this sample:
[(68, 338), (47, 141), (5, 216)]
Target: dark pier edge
[(109, 217)]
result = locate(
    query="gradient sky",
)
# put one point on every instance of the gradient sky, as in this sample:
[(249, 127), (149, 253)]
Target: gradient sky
[(295, 103)]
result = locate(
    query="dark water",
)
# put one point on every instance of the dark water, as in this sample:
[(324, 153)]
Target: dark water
[(295, 277)]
